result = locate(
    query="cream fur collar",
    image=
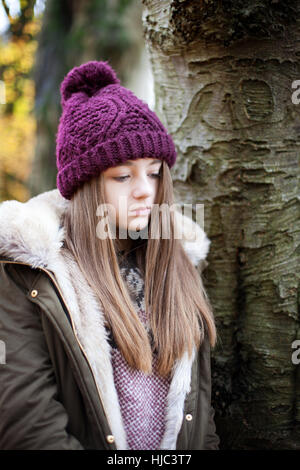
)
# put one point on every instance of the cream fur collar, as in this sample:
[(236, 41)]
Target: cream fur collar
[(30, 233)]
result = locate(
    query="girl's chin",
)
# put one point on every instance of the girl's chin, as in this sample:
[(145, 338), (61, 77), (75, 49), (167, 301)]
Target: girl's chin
[(137, 227)]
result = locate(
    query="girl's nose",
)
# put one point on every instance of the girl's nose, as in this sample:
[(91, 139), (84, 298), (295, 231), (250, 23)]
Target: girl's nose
[(143, 187)]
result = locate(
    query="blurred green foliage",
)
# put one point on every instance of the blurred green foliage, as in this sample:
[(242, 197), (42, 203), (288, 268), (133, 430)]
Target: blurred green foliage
[(17, 124)]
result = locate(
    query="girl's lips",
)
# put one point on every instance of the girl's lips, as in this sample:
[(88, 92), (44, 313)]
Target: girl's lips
[(140, 212)]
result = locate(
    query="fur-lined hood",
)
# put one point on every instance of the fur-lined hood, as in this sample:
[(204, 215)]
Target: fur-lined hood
[(31, 233)]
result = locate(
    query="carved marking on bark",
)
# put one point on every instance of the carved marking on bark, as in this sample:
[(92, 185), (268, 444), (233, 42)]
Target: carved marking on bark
[(258, 100)]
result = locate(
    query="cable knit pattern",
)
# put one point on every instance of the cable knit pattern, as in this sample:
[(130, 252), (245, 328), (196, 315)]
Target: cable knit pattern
[(142, 397), (103, 124)]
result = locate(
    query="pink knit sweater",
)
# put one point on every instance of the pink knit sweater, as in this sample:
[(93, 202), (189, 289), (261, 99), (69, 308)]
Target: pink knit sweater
[(142, 397)]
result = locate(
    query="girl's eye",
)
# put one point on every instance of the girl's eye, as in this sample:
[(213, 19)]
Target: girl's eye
[(123, 178), (120, 178)]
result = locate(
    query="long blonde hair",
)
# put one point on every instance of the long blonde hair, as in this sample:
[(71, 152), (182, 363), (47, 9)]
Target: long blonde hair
[(175, 299)]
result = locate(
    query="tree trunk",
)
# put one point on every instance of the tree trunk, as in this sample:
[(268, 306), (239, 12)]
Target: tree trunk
[(223, 73)]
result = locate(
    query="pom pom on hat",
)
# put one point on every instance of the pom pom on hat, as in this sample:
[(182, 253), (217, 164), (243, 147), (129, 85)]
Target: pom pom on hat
[(88, 78)]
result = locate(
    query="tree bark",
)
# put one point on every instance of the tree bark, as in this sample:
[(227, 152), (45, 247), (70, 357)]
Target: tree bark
[(223, 74)]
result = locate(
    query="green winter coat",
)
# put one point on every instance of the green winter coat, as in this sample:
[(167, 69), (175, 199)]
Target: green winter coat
[(57, 389)]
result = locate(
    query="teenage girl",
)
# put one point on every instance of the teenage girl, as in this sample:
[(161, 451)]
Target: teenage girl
[(106, 324)]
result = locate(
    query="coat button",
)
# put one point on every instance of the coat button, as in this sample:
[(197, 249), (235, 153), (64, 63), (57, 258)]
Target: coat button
[(110, 439), (34, 293), (189, 417)]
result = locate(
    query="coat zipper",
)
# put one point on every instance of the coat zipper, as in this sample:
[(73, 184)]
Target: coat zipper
[(80, 345)]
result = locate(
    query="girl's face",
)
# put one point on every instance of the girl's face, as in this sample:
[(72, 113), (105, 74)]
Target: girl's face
[(130, 186)]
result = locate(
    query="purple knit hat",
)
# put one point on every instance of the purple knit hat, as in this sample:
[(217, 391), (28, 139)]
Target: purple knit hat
[(103, 124)]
